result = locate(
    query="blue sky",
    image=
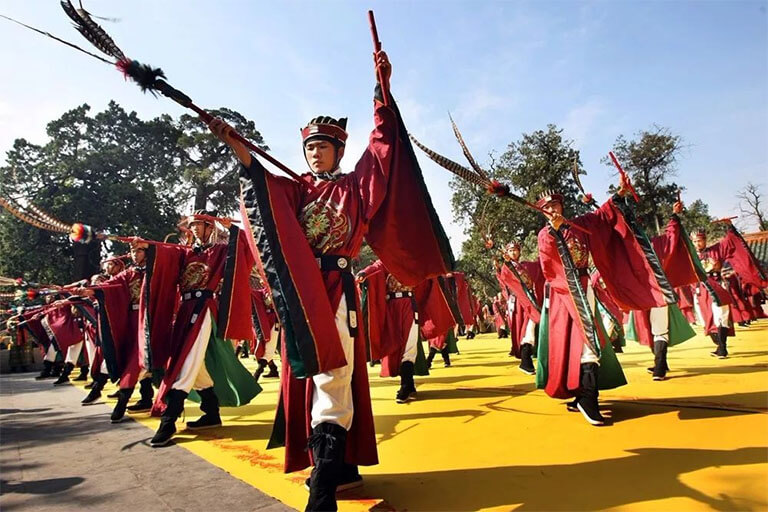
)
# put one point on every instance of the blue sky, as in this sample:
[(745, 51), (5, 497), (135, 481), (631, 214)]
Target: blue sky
[(596, 69)]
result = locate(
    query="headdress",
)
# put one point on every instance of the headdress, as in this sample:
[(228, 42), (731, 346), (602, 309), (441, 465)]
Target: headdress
[(326, 128), (699, 234), (547, 197)]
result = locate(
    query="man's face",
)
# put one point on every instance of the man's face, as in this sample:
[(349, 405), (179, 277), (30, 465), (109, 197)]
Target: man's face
[(138, 255), (700, 243), (514, 253), (111, 268), (554, 207), (201, 230), (321, 155)]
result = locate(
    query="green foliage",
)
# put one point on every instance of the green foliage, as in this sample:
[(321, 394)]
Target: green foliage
[(650, 162), (112, 171), (539, 161), (209, 168)]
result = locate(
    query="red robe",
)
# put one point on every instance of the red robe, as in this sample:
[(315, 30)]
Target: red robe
[(119, 325), (499, 314), (625, 271), (220, 268), (64, 327), (735, 251), (383, 200), (525, 280), (265, 319)]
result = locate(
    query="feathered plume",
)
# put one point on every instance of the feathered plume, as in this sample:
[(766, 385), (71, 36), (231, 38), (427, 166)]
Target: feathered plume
[(479, 170), (446, 163), (92, 31)]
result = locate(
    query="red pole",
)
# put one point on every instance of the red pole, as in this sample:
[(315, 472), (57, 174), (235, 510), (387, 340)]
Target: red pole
[(624, 175), (376, 49)]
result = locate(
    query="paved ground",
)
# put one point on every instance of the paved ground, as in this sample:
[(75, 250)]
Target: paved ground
[(56, 455)]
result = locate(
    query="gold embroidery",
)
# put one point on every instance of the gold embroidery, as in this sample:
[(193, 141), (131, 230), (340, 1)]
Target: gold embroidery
[(579, 253), (325, 225), (195, 276)]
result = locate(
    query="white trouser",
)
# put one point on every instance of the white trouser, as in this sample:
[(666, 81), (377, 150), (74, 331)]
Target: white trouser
[(411, 344), (73, 352), (193, 373), (50, 355), (721, 315), (660, 323), (587, 354), (530, 333), (103, 368), (271, 345), (332, 396), (697, 311), (90, 348)]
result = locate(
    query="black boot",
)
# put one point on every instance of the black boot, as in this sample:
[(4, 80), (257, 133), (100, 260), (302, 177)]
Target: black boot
[(431, 356), (470, 335), (349, 478), (587, 402), (95, 393), (722, 343), (239, 350), (46, 373), (57, 367), (617, 346), (272, 371), (83, 373), (118, 413), (407, 391), (526, 359), (209, 404), (115, 394), (328, 444), (174, 406), (147, 393), (446, 357), (64, 377), (262, 364), (660, 359)]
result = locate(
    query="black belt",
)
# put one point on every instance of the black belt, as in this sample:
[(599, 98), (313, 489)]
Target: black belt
[(406, 295), (583, 272), (196, 294), (715, 274), (343, 264)]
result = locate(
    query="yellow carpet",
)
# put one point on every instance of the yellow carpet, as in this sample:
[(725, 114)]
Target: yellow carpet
[(481, 437)]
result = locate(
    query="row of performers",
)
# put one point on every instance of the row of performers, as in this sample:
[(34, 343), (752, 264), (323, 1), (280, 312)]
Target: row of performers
[(302, 235), (577, 320)]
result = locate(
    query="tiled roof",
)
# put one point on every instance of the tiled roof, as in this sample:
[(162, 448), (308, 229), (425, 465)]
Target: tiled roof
[(758, 242)]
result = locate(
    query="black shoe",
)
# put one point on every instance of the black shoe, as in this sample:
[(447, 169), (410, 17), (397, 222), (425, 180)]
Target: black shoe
[(57, 367), (83, 374), (571, 406), (660, 359), (205, 421), (164, 433), (209, 404), (402, 396), (140, 406), (116, 394), (46, 373), (350, 478), (588, 394), (118, 413), (262, 364), (64, 377), (174, 406), (526, 359), (470, 335), (95, 393), (328, 444), (89, 385), (147, 393), (272, 371)]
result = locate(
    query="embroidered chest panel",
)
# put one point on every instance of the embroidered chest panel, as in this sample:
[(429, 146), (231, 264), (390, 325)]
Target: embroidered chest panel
[(393, 285), (134, 287), (710, 264), (325, 225), (579, 252), (195, 276)]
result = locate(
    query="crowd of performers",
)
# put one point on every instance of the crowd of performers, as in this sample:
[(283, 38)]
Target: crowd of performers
[(175, 320)]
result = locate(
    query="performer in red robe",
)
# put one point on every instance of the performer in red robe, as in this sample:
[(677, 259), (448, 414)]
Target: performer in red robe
[(499, 306), (267, 328), (712, 297), (118, 300), (306, 233), (677, 266), (213, 279), (572, 342), (524, 283)]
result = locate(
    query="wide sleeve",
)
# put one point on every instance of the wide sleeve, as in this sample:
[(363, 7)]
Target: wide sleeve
[(735, 251)]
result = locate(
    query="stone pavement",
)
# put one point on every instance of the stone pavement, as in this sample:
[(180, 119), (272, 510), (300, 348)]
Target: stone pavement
[(56, 455)]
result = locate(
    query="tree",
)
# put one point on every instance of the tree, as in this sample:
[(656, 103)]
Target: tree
[(650, 162), (696, 217), (750, 205), (210, 168), (539, 161), (112, 171)]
